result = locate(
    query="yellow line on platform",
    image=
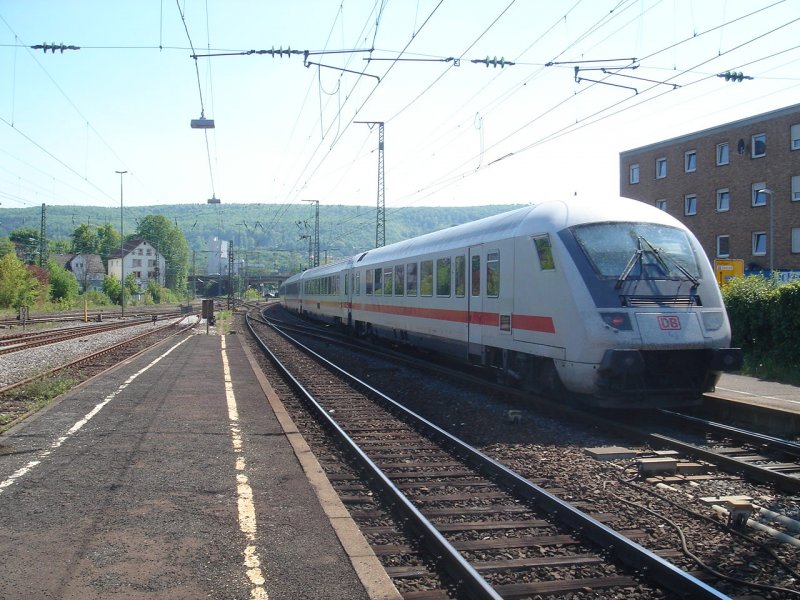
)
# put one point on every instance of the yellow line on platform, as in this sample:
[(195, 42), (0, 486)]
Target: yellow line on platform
[(244, 493)]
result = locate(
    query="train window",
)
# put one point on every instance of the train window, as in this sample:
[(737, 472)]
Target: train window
[(378, 282), (443, 276), (638, 250), (426, 278), (411, 281), (387, 282), (476, 276), (399, 280), (347, 284), (368, 282), (545, 252), (461, 276), (493, 274), (358, 283)]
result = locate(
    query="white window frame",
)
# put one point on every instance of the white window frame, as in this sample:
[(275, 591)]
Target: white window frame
[(723, 193), (659, 162), (723, 154), (633, 175), (794, 143), (690, 161), (795, 188), (756, 197), (661, 205), (753, 139), (690, 200), (756, 236), (719, 253), (795, 240)]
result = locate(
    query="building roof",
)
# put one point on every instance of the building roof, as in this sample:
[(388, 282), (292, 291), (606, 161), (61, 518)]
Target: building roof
[(767, 116), (130, 246)]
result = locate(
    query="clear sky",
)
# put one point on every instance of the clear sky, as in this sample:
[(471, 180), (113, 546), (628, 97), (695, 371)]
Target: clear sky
[(457, 133)]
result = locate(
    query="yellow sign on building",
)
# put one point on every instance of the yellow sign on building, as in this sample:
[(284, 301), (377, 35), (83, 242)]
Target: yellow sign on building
[(726, 269)]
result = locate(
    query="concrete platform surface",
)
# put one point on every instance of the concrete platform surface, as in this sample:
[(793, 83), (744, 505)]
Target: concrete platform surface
[(172, 477)]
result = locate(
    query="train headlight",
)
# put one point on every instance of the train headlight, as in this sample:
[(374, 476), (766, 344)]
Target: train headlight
[(617, 320), (713, 320)]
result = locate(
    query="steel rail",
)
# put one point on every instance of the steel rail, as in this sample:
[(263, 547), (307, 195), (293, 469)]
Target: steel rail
[(628, 552), (754, 437), (88, 357), (732, 465), (452, 560)]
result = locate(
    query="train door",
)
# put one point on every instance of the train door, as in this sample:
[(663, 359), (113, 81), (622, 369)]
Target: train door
[(475, 302), (349, 282)]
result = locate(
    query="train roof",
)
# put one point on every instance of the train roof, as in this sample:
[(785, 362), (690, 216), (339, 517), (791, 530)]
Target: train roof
[(544, 217)]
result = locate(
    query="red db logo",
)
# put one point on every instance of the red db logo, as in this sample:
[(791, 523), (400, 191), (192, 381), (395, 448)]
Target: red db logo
[(669, 323)]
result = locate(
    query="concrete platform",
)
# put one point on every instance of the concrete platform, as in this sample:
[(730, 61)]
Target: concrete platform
[(174, 477), (774, 407)]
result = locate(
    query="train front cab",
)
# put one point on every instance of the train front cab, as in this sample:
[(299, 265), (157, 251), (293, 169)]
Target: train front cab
[(659, 322)]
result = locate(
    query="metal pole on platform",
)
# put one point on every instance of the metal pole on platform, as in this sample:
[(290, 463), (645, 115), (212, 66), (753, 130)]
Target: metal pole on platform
[(121, 244)]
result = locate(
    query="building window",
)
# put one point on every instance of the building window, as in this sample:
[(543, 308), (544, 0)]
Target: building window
[(723, 156), (661, 168), (661, 205), (690, 161), (758, 145), (690, 205), (759, 195), (634, 176), (759, 243), (795, 240), (723, 200), (723, 246), (795, 132), (795, 188)]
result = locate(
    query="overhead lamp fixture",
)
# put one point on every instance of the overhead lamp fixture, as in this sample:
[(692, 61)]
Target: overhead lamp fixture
[(202, 123), (213, 200)]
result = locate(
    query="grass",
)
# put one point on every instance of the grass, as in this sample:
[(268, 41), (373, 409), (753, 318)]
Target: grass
[(31, 398)]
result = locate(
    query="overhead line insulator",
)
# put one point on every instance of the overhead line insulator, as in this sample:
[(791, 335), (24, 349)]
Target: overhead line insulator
[(54, 47), (493, 62), (736, 76)]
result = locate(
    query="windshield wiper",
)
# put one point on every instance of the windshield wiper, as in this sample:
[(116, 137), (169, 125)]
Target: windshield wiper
[(629, 267), (660, 254)]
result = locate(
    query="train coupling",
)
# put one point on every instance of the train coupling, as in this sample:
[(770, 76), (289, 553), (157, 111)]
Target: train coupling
[(622, 362)]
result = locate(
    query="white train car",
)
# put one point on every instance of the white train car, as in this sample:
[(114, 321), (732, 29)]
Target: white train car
[(612, 300)]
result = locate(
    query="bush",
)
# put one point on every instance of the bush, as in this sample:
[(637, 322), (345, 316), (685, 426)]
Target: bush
[(765, 320)]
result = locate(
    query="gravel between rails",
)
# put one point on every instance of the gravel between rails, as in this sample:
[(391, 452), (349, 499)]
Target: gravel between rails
[(17, 366), (555, 450)]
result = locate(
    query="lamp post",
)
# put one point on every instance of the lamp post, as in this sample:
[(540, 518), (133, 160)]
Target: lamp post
[(768, 192), (121, 245)]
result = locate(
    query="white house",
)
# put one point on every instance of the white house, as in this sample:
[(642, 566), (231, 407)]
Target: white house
[(87, 268), (140, 258)]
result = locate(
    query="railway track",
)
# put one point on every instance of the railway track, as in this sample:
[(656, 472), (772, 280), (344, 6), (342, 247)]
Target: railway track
[(496, 533), (26, 340)]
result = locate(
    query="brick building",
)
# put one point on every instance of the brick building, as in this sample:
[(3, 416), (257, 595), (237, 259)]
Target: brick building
[(736, 186)]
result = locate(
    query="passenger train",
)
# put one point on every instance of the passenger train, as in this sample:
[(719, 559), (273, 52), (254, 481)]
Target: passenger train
[(613, 301)]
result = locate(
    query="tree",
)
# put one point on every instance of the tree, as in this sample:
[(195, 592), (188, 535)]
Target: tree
[(112, 288), (108, 241), (18, 287), (170, 242), (6, 247), (28, 239), (63, 285), (84, 240)]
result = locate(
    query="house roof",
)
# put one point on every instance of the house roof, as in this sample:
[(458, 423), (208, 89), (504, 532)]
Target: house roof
[(130, 246)]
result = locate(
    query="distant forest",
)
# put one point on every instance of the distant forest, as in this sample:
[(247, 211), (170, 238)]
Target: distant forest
[(272, 237)]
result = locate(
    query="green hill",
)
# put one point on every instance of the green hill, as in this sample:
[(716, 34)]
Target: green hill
[(271, 236)]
